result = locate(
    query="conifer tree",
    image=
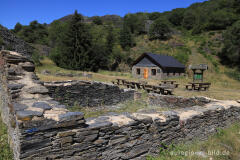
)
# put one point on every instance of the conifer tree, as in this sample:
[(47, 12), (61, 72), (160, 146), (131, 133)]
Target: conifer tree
[(74, 49), (110, 40), (17, 27), (126, 39)]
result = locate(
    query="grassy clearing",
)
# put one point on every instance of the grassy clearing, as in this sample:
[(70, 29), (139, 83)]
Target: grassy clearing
[(5, 151), (223, 87), (105, 76), (128, 106), (200, 49), (224, 145)]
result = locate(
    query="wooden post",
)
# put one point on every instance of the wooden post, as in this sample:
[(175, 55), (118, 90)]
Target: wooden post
[(194, 72)]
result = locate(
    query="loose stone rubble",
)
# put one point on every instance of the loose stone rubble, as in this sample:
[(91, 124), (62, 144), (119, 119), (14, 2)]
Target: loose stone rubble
[(42, 128)]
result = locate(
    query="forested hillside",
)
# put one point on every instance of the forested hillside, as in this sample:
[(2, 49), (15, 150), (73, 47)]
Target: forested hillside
[(210, 29)]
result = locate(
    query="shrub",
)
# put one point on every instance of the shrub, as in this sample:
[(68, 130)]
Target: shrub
[(159, 30), (36, 58)]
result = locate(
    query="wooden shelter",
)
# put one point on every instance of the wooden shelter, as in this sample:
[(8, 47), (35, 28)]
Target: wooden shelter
[(198, 71)]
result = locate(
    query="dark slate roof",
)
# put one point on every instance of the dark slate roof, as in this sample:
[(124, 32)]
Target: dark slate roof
[(161, 60), (145, 62)]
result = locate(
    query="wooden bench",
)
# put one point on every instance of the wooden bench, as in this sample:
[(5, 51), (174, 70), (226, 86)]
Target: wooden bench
[(189, 87), (168, 91), (143, 82), (113, 82), (148, 88), (198, 86), (168, 82), (176, 85), (204, 86), (129, 84), (138, 85), (120, 81)]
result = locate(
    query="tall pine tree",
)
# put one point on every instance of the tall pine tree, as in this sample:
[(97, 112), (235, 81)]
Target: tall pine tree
[(126, 39), (74, 49), (110, 39)]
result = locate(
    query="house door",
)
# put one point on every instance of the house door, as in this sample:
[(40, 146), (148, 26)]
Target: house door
[(145, 74)]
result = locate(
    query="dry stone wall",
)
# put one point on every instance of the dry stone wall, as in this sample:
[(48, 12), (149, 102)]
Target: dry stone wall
[(177, 101), (86, 93), (10, 40), (41, 129)]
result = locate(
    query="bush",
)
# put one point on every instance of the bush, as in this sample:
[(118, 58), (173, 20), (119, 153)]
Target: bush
[(183, 54), (176, 16), (159, 30), (230, 53), (36, 58)]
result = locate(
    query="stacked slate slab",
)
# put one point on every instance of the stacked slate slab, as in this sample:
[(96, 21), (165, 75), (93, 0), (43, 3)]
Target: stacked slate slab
[(166, 101), (88, 94)]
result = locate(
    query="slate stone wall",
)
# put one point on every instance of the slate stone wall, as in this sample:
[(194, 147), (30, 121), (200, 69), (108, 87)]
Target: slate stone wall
[(32, 117), (14, 43), (85, 93), (40, 128), (159, 75), (177, 101)]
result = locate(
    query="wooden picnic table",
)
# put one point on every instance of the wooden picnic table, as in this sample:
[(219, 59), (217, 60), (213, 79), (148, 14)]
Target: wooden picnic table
[(137, 84), (198, 86), (120, 81), (175, 85), (133, 85), (164, 89), (168, 82)]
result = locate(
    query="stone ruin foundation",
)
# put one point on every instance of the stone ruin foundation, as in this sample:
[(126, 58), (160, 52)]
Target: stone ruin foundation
[(41, 128), (86, 93)]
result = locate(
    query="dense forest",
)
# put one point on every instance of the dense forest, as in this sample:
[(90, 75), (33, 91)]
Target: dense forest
[(84, 43)]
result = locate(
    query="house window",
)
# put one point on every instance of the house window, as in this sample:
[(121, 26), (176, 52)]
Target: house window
[(138, 71), (154, 72), (158, 71)]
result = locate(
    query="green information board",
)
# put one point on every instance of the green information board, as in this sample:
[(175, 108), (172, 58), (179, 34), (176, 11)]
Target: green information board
[(198, 77)]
